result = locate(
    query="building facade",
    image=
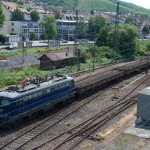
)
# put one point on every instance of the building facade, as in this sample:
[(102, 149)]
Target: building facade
[(66, 29), (55, 59), (26, 29), (7, 10)]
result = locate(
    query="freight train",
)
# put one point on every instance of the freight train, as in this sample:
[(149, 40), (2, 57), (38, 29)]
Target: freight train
[(36, 95)]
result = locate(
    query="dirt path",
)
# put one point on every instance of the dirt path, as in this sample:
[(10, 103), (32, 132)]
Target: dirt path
[(110, 134)]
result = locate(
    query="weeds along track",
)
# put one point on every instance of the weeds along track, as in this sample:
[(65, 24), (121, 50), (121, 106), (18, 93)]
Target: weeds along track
[(31, 134), (85, 129)]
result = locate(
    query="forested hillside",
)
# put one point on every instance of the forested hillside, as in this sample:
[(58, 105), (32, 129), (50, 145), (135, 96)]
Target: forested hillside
[(88, 5)]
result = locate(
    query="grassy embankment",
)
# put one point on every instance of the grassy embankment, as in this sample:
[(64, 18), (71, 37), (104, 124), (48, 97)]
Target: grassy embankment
[(8, 77)]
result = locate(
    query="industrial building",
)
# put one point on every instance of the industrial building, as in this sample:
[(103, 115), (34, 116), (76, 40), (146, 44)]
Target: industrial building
[(143, 106)]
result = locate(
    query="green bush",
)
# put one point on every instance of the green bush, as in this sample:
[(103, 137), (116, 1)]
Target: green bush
[(2, 38)]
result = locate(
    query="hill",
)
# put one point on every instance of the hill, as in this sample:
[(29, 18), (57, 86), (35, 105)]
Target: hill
[(109, 5)]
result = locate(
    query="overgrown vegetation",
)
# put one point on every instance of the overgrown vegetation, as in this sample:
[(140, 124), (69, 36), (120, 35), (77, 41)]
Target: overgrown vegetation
[(108, 5), (34, 15), (2, 38), (63, 3), (103, 55), (49, 31), (17, 15), (33, 50), (2, 17)]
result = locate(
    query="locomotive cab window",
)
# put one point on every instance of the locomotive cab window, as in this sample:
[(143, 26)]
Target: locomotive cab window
[(4, 101)]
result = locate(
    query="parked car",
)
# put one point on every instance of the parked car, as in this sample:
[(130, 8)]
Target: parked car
[(8, 46), (64, 41)]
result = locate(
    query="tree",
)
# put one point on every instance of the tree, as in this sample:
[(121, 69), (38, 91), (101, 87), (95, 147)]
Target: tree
[(32, 36), (81, 29), (95, 24), (57, 14), (127, 41), (20, 3), (2, 17), (145, 30), (34, 15), (127, 35), (17, 15), (49, 28), (2, 38), (100, 53), (102, 38), (148, 47), (129, 20)]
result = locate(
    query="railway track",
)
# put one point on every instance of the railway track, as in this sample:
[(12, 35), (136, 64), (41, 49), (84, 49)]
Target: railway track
[(86, 128), (86, 132), (38, 129), (24, 138)]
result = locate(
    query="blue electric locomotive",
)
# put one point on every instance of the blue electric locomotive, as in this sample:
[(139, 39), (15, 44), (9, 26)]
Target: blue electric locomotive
[(33, 96)]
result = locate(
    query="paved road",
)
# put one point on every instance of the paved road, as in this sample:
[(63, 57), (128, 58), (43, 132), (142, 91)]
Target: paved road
[(37, 43)]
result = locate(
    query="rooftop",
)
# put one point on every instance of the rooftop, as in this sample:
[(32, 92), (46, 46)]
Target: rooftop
[(30, 84), (10, 5), (60, 55)]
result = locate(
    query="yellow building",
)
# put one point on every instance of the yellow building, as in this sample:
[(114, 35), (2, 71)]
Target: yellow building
[(8, 8)]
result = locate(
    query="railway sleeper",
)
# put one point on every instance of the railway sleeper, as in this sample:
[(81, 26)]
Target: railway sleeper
[(94, 138), (90, 137)]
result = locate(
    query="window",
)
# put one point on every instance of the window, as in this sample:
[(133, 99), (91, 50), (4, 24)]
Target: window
[(39, 93), (35, 95), (26, 98), (12, 23), (30, 24), (31, 97), (43, 92), (48, 90), (20, 101), (67, 84), (60, 86), (12, 29), (4, 101), (53, 89), (64, 85)]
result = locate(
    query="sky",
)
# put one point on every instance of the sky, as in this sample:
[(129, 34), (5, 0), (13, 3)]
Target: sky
[(143, 3)]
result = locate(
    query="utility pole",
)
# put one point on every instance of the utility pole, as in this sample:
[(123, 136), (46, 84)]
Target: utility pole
[(94, 48), (77, 51), (78, 59), (147, 58), (23, 53), (94, 57), (116, 29)]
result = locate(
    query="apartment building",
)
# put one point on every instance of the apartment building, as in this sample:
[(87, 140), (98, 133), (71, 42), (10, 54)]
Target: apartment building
[(66, 29), (27, 29), (8, 8)]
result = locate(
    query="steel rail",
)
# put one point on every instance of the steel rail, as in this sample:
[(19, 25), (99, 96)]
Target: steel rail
[(102, 112)]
